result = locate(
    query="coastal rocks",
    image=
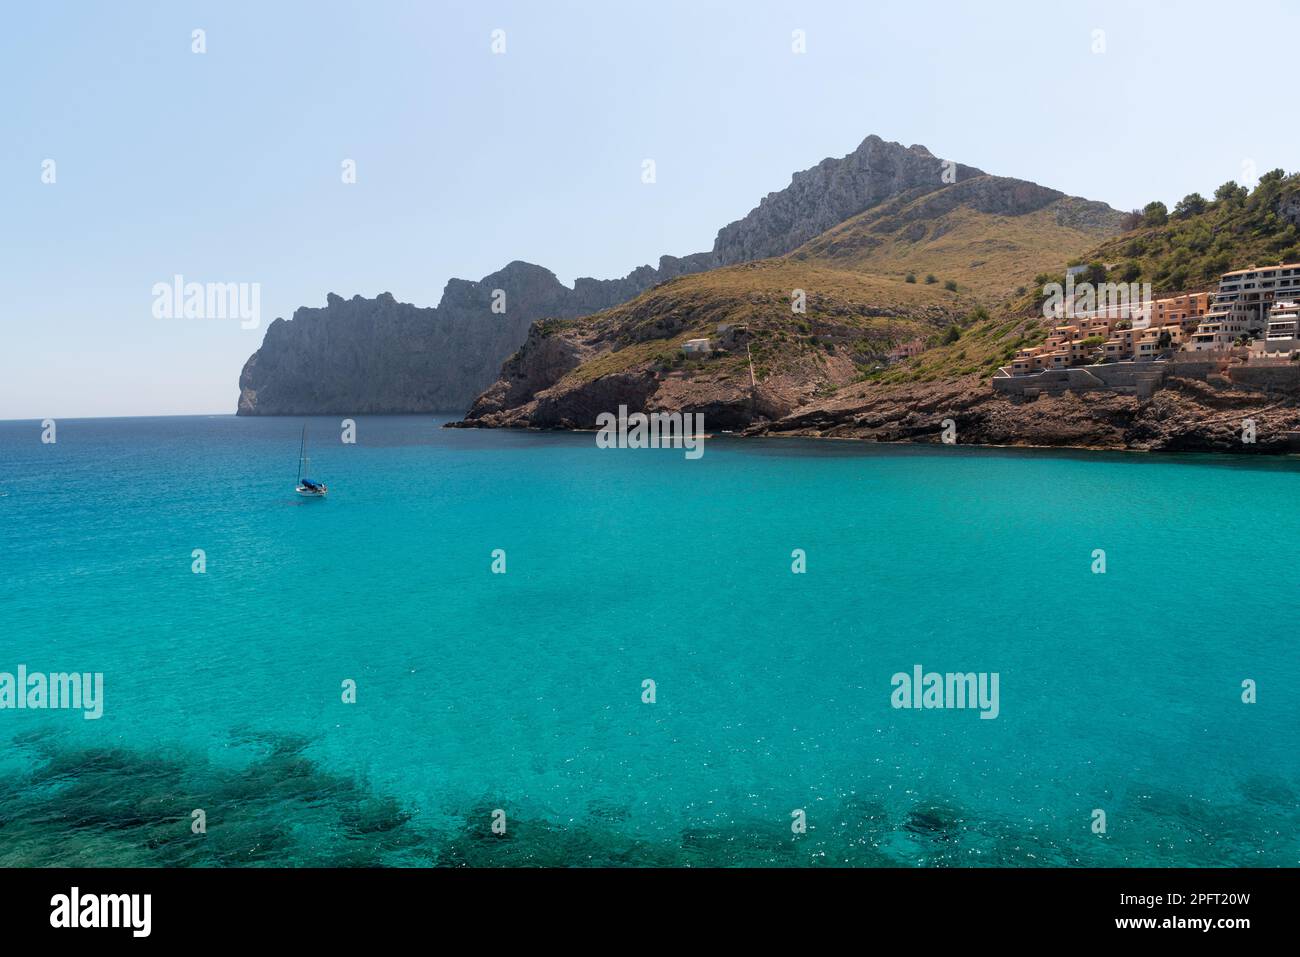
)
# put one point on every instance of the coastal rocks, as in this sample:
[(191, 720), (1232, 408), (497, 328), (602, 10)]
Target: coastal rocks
[(581, 405), (1185, 416), (362, 356), (543, 359), (577, 404), (543, 386), (551, 384), (1190, 415)]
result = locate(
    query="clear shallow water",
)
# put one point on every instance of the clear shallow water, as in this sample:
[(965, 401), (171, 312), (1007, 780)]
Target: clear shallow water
[(523, 691)]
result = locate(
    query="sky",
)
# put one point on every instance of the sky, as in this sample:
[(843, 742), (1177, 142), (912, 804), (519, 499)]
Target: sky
[(228, 165)]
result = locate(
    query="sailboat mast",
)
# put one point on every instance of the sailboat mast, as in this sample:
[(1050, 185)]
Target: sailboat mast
[(302, 455)]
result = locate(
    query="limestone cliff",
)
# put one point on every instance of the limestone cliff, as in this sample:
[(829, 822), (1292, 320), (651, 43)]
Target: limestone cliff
[(367, 356), (379, 355), (831, 192)]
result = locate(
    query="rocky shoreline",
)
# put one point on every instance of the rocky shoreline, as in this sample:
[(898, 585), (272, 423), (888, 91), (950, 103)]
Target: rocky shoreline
[(1186, 416)]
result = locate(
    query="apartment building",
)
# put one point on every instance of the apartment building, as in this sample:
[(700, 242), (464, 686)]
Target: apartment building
[(1220, 331), (1283, 333), (1185, 309), (1128, 331), (1243, 303), (1261, 302), (1159, 339)]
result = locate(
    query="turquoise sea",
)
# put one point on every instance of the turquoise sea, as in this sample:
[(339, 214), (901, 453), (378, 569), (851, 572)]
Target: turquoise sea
[(522, 691)]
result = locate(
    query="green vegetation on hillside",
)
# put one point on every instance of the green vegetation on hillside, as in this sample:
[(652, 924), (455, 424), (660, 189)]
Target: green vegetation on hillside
[(1189, 249), (1201, 239), (981, 344)]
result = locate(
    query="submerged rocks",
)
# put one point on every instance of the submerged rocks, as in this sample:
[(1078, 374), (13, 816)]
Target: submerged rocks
[(935, 820), (128, 806)]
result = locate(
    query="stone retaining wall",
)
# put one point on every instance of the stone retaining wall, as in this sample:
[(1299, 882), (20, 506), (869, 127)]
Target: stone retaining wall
[(1132, 378), (1269, 378)]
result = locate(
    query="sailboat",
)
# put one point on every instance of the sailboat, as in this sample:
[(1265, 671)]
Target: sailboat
[(308, 487)]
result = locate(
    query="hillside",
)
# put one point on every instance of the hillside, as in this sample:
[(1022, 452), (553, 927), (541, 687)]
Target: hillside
[(924, 264), (986, 233), (1188, 249), (568, 372), (1202, 239)]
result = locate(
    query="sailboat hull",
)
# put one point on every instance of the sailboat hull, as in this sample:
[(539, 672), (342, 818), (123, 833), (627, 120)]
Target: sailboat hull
[(306, 487)]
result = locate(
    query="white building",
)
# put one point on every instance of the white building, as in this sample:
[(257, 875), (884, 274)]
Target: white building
[(1216, 333), (1243, 304), (697, 347), (1283, 334)]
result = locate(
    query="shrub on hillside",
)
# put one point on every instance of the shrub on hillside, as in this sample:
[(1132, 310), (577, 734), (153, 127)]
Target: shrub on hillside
[(1193, 204), (1129, 272)]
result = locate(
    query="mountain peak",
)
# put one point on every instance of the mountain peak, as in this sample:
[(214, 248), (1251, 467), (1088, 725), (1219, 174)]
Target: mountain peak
[(827, 194)]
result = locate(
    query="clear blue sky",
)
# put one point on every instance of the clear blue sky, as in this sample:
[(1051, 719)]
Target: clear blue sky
[(225, 166)]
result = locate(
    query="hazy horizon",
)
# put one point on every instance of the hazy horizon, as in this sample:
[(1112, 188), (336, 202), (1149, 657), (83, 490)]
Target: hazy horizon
[(224, 166)]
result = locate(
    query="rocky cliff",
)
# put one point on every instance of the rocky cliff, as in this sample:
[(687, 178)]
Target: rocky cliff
[(1187, 415), (366, 356), (378, 355), (831, 192), (765, 361)]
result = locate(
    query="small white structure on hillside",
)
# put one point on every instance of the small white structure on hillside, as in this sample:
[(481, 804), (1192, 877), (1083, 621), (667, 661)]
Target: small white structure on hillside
[(697, 347)]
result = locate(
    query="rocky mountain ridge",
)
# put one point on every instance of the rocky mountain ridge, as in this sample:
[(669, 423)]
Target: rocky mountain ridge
[(372, 356), (831, 192), (378, 355)]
